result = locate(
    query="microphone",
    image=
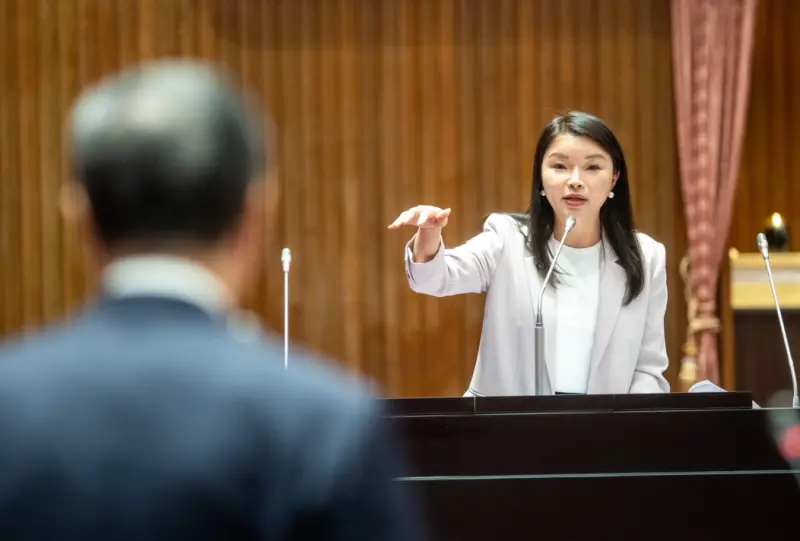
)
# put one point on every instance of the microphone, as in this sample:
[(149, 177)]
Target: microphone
[(286, 261), (763, 247), (540, 369)]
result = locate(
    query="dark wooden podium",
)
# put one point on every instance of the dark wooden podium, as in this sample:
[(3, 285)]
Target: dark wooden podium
[(677, 466)]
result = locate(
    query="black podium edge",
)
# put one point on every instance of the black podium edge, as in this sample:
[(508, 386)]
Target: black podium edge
[(485, 405)]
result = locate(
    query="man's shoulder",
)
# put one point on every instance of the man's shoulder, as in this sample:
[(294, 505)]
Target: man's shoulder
[(225, 363), (311, 399), (315, 378), (44, 342)]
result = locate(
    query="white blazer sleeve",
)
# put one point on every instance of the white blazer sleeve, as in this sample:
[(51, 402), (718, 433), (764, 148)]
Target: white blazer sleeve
[(648, 376), (465, 269)]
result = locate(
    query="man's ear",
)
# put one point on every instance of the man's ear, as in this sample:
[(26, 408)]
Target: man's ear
[(254, 238), (260, 216), (73, 203), (272, 199)]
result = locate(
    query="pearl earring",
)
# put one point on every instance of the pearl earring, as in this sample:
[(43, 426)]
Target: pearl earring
[(611, 195), (541, 193)]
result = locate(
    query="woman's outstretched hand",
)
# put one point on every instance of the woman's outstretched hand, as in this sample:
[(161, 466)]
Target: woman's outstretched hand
[(429, 222), (423, 217)]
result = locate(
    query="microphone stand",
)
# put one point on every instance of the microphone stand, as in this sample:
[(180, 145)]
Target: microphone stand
[(763, 247), (286, 261), (540, 368)]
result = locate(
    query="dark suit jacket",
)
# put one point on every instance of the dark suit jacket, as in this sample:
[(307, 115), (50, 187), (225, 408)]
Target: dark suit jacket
[(146, 419)]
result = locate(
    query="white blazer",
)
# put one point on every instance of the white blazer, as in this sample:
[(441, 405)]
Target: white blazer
[(629, 353)]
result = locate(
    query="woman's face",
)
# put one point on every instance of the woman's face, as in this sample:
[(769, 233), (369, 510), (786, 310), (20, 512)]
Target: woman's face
[(578, 176)]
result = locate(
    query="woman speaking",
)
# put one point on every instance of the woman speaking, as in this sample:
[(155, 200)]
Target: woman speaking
[(603, 310)]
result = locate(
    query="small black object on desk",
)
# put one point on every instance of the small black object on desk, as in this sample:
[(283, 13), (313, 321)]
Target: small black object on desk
[(777, 232)]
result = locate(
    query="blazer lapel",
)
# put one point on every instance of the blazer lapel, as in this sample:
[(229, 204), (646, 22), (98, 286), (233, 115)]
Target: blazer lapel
[(612, 292), (548, 318)]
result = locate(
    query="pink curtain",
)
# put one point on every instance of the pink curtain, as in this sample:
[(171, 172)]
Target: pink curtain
[(712, 43)]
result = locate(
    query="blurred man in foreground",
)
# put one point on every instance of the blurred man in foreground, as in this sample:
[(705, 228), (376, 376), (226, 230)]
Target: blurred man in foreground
[(146, 418)]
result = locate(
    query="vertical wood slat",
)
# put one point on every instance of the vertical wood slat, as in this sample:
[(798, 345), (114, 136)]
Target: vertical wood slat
[(47, 63), (28, 146), (7, 151), (388, 152), (377, 105), (9, 162)]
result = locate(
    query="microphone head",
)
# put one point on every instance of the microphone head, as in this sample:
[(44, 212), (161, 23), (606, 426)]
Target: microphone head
[(570, 223), (286, 255), (763, 245)]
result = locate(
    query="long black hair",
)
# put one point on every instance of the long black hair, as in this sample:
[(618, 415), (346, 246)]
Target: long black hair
[(616, 214)]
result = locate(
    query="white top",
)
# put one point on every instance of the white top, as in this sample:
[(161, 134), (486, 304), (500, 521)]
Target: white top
[(577, 294)]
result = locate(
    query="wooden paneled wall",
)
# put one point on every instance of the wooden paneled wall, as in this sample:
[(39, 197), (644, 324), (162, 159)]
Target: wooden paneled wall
[(770, 180), (379, 105), (769, 176)]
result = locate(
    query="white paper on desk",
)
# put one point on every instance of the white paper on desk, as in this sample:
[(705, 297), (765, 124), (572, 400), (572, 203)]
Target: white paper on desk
[(706, 386)]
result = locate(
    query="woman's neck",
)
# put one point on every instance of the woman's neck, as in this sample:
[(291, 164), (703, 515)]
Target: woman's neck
[(582, 235)]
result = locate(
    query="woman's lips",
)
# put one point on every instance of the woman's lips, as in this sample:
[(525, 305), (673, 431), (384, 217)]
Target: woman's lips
[(575, 201)]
